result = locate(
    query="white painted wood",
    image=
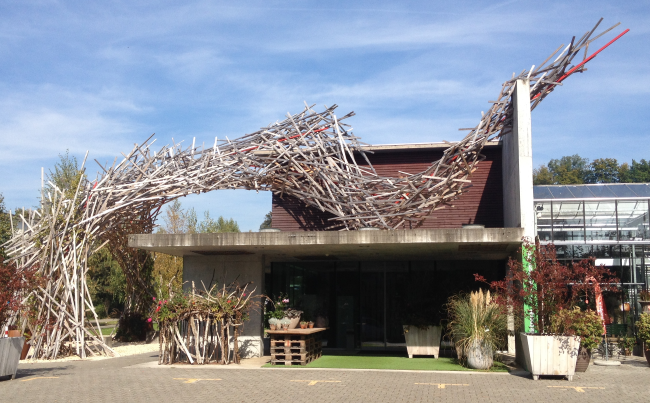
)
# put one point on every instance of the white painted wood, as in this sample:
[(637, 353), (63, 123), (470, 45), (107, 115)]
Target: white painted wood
[(422, 341), (550, 355)]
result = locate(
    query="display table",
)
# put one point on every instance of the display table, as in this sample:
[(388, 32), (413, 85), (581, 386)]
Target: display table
[(295, 346)]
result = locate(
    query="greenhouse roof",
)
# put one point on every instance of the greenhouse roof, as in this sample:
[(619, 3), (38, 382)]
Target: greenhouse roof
[(599, 191)]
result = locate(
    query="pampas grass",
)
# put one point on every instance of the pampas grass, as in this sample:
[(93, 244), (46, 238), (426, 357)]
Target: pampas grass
[(476, 317)]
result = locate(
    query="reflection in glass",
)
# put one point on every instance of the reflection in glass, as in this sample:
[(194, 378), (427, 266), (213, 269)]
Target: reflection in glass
[(568, 221), (633, 220), (600, 218)]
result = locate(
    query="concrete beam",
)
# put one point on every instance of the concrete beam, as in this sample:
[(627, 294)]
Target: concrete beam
[(488, 243)]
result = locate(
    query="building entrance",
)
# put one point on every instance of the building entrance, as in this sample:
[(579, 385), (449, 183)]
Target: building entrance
[(363, 305)]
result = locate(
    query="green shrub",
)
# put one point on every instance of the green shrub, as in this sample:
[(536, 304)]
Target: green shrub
[(586, 324), (643, 326)]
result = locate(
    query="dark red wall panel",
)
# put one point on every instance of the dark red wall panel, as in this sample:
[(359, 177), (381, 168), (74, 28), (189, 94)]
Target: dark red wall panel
[(480, 204)]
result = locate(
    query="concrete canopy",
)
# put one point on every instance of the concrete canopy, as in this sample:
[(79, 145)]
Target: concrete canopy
[(448, 244)]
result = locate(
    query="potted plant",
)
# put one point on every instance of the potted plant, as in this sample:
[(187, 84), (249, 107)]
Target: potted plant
[(588, 325), (644, 300), (311, 324), (420, 322), (273, 323), (303, 325), (477, 325), (536, 287), (285, 322), (627, 344), (643, 331), (282, 310), (14, 288)]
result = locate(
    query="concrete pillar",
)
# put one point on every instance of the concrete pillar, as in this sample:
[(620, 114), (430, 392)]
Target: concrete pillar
[(517, 160)]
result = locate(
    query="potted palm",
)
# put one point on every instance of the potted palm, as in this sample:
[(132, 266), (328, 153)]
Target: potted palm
[(537, 287), (643, 331), (586, 324), (477, 325)]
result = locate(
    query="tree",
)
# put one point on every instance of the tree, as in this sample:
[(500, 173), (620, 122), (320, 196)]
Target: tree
[(66, 175), (5, 227), (542, 176), (569, 170), (603, 170), (106, 283), (268, 220), (210, 225), (549, 285), (640, 171), (624, 173)]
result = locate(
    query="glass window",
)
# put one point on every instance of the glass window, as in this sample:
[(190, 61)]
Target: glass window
[(633, 220), (568, 221), (600, 217), (543, 217)]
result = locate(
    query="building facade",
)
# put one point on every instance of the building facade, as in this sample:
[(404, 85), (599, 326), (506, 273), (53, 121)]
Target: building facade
[(363, 285), (608, 222)]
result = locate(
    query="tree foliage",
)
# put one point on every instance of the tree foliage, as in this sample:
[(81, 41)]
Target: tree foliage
[(106, 283), (176, 220), (5, 227), (549, 285), (575, 170), (268, 220)]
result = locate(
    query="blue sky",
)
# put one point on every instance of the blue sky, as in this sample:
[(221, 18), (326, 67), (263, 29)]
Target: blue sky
[(101, 76)]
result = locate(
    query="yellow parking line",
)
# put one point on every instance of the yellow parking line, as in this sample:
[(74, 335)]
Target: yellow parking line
[(312, 382), (39, 377), (579, 389), (195, 380), (444, 385)]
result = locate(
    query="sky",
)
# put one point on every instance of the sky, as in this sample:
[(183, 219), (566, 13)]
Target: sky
[(102, 76)]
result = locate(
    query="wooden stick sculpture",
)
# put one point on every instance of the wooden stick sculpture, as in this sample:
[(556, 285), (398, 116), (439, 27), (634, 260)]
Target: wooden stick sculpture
[(312, 156)]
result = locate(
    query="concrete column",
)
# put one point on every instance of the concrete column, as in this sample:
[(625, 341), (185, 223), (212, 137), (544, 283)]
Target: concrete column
[(517, 159)]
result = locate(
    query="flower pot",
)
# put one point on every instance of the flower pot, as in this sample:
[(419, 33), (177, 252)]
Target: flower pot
[(311, 325), (294, 322), (10, 349), (303, 326), (584, 357), (645, 306), (422, 341), (479, 355), (550, 355), (272, 327)]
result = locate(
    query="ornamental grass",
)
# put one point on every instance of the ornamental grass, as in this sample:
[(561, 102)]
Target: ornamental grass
[(476, 317)]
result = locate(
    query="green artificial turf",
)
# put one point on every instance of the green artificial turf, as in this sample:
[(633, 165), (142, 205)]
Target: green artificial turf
[(106, 331), (379, 362)]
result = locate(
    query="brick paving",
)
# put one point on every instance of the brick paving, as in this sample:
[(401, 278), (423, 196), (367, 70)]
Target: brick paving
[(126, 379)]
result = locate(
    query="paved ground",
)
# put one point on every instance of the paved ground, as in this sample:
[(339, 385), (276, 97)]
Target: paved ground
[(131, 379)]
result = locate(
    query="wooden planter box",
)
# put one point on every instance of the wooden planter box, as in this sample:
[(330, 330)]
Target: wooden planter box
[(422, 341), (10, 349), (550, 355)]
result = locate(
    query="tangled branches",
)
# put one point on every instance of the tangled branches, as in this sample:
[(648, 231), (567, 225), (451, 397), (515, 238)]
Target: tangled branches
[(203, 327)]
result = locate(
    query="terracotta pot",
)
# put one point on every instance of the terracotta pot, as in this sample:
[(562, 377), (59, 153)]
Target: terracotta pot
[(303, 326), (23, 354), (584, 357), (272, 327), (15, 333), (311, 325)]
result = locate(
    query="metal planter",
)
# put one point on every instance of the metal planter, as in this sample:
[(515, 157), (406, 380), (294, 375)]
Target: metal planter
[(10, 349)]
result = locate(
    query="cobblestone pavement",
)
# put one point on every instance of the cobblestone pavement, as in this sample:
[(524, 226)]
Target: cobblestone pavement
[(127, 380)]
